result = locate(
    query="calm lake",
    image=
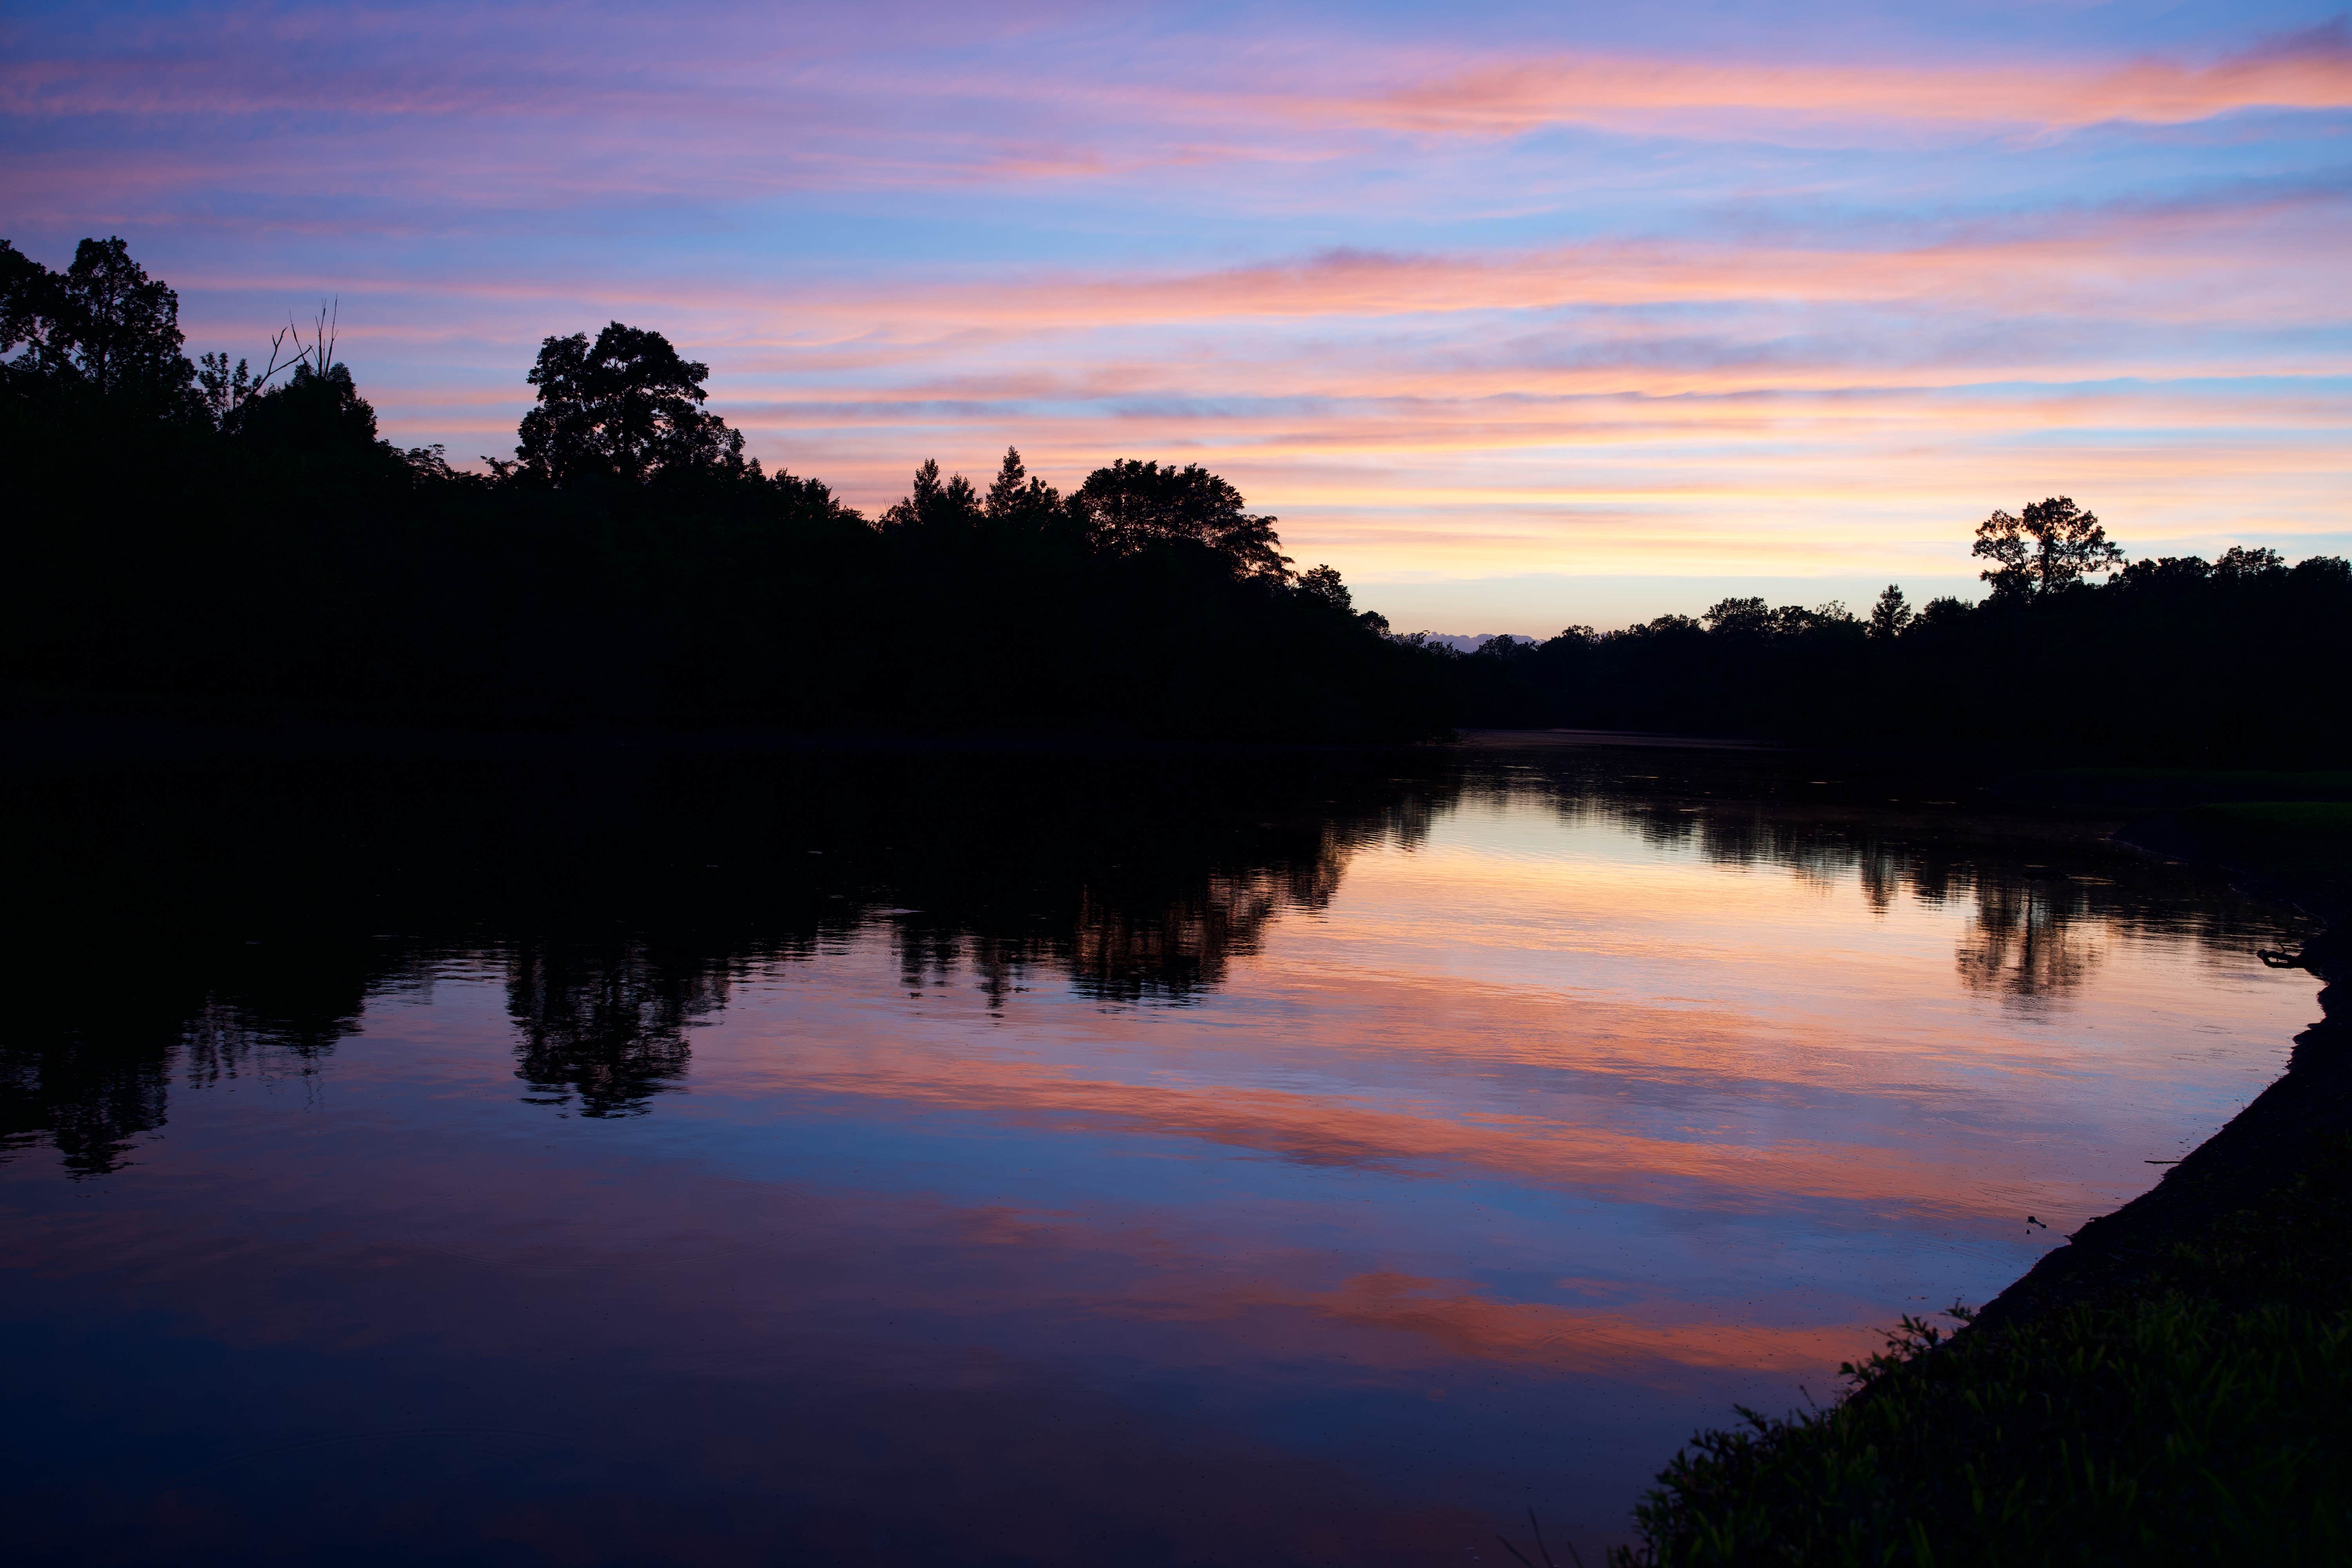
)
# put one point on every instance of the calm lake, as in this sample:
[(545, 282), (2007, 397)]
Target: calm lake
[(969, 1158)]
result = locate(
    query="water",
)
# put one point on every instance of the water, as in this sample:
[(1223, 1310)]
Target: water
[(978, 1158)]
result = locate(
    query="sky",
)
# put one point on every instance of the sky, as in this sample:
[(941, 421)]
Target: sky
[(1519, 315)]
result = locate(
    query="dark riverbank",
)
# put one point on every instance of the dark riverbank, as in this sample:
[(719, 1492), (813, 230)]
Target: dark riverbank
[(2167, 1387), (2296, 1125)]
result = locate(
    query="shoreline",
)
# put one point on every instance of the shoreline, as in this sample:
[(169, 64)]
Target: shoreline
[(2166, 1387), (2278, 1137)]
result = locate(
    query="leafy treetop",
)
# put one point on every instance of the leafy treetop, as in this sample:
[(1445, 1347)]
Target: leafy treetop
[(628, 407), (2053, 547), (102, 324), (1131, 506)]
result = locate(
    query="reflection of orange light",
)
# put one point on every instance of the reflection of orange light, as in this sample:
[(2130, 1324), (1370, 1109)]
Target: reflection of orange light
[(756, 1255), (1638, 1024), (1692, 1173), (1574, 1339)]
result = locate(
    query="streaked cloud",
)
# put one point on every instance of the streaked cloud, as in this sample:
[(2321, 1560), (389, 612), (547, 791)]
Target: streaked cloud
[(2312, 70), (1459, 299)]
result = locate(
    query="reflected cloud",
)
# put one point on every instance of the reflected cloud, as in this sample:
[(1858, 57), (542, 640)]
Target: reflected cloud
[(1457, 1322), (1387, 1117), (1129, 884)]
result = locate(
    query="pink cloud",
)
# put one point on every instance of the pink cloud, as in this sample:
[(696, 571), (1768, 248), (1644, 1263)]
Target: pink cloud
[(767, 112), (2312, 71)]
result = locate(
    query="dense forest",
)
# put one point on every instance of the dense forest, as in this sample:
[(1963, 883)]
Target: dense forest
[(199, 537), (202, 536), (2241, 660)]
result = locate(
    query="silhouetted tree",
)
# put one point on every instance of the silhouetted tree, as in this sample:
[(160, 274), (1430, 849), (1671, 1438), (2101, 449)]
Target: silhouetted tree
[(2238, 563), (311, 413), (1131, 506), (1942, 612), (225, 391), (1890, 614), (23, 298), (2054, 545), (1323, 583), (1739, 617), (1017, 496), (934, 503), (102, 324), (2168, 573), (626, 407)]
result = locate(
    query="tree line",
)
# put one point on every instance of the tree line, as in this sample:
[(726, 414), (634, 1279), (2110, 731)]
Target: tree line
[(196, 533), (2177, 660)]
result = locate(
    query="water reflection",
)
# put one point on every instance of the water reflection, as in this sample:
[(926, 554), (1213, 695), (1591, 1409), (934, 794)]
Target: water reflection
[(209, 916), (608, 1027), (2031, 942), (969, 1159), (2036, 934), (213, 922)]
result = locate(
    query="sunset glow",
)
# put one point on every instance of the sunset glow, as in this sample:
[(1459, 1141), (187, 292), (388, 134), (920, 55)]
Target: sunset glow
[(1523, 319)]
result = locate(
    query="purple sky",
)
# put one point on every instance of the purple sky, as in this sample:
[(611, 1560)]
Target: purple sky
[(1519, 317)]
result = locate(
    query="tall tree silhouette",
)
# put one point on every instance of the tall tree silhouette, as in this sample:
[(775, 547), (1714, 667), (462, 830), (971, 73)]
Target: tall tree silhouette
[(1890, 614), (2054, 545), (626, 406), (1017, 496)]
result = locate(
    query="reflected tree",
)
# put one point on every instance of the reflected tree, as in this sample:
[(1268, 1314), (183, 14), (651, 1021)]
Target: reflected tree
[(89, 1097), (2028, 941), (201, 930), (607, 1026)]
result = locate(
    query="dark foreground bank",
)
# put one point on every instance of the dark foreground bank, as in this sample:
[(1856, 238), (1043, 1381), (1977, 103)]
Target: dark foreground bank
[(2168, 1387)]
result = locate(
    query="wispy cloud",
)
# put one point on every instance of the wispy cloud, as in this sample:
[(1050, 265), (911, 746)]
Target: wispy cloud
[(1579, 303), (2310, 70)]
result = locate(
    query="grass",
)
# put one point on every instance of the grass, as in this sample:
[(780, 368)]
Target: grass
[(2199, 1412)]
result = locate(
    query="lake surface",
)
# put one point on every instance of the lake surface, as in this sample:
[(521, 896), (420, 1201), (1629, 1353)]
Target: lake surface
[(985, 1159)]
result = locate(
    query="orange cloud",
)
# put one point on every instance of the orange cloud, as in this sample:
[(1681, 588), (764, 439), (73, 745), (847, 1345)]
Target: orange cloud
[(1506, 98)]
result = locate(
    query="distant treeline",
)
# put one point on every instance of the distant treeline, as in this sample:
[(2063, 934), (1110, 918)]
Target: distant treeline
[(2245, 659), (206, 536), (201, 535)]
